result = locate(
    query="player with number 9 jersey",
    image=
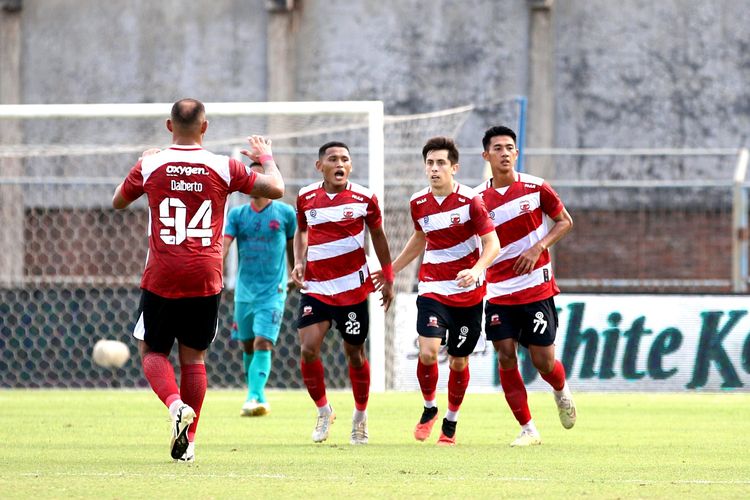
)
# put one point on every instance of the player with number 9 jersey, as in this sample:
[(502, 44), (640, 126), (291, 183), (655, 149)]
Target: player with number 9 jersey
[(187, 189)]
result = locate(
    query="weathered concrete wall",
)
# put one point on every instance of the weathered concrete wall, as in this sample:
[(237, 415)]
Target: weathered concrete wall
[(639, 73), (627, 73), (414, 55), (92, 51)]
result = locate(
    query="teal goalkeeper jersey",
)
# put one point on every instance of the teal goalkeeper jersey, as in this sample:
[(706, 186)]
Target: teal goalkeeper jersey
[(261, 243)]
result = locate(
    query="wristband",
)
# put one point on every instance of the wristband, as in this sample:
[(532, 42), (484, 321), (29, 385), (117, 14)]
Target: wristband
[(264, 158), (388, 273)]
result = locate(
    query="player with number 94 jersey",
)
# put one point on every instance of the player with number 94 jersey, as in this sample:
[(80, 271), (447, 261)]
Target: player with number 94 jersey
[(187, 189)]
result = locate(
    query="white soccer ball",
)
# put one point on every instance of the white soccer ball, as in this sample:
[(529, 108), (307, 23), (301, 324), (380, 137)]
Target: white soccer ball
[(110, 353)]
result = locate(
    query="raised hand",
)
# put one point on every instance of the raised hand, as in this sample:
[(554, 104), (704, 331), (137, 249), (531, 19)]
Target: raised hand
[(259, 146)]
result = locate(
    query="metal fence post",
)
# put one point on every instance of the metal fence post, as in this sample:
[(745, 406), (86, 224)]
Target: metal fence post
[(739, 225)]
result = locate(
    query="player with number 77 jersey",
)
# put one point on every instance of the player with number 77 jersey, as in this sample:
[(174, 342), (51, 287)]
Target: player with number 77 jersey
[(187, 189)]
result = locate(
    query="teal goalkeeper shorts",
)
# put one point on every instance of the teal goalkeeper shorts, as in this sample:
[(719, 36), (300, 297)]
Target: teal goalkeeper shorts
[(257, 320)]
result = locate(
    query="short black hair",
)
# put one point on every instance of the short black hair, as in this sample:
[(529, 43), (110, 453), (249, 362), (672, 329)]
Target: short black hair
[(439, 143), (496, 131), (331, 144), (188, 113)]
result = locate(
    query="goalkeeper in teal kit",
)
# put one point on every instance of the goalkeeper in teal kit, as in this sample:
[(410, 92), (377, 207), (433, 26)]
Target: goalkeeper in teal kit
[(264, 231)]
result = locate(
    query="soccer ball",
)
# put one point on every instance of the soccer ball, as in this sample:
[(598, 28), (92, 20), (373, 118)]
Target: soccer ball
[(110, 353)]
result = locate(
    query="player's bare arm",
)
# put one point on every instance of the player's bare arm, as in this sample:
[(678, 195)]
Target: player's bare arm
[(118, 200), (380, 245), (413, 249), (490, 250), (225, 247), (269, 184), (300, 257), (290, 264), (527, 260)]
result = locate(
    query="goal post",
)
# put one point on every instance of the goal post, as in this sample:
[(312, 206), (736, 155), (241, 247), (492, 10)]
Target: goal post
[(349, 118)]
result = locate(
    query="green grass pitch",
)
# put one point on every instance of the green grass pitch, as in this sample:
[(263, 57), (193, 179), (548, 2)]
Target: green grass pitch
[(114, 444)]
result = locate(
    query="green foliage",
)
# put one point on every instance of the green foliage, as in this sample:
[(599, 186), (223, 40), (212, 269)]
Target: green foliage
[(114, 444)]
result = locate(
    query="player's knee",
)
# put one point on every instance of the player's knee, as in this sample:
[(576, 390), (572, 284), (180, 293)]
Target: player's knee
[(262, 344), (544, 366), (459, 364), (428, 357), (507, 360), (247, 346), (308, 354)]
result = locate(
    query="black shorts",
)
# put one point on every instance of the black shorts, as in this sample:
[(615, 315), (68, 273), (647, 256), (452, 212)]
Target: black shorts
[(352, 322), (528, 324), (463, 325), (192, 321)]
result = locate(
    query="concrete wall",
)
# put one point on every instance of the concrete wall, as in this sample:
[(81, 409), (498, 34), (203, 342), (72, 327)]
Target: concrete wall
[(92, 51), (627, 73), (639, 73)]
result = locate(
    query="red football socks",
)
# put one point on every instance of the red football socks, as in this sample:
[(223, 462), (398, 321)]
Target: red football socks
[(427, 375), (192, 390), (457, 384), (360, 378), (555, 378), (313, 374), (515, 394), (160, 375)]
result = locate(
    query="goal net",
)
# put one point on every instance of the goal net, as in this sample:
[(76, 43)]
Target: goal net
[(70, 265)]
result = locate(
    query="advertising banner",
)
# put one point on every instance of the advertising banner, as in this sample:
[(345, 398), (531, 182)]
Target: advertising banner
[(616, 343)]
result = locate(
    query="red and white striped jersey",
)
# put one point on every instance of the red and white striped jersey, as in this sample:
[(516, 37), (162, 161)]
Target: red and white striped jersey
[(452, 230), (518, 214), (336, 272), (187, 188)]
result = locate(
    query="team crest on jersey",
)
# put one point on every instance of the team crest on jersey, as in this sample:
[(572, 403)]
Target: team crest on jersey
[(492, 215), (495, 320), (432, 321), (426, 219), (455, 219), (313, 213), (525, 206), (307, 311), (274, 225), (348, 213)]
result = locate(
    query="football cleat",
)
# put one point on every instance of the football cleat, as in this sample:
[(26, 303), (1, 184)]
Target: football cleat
[(447, 433), (323, 426), (182, 420), (528, 437), (359, 432), (424, 427), (189, 455), (252, 408), (566, 408)]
